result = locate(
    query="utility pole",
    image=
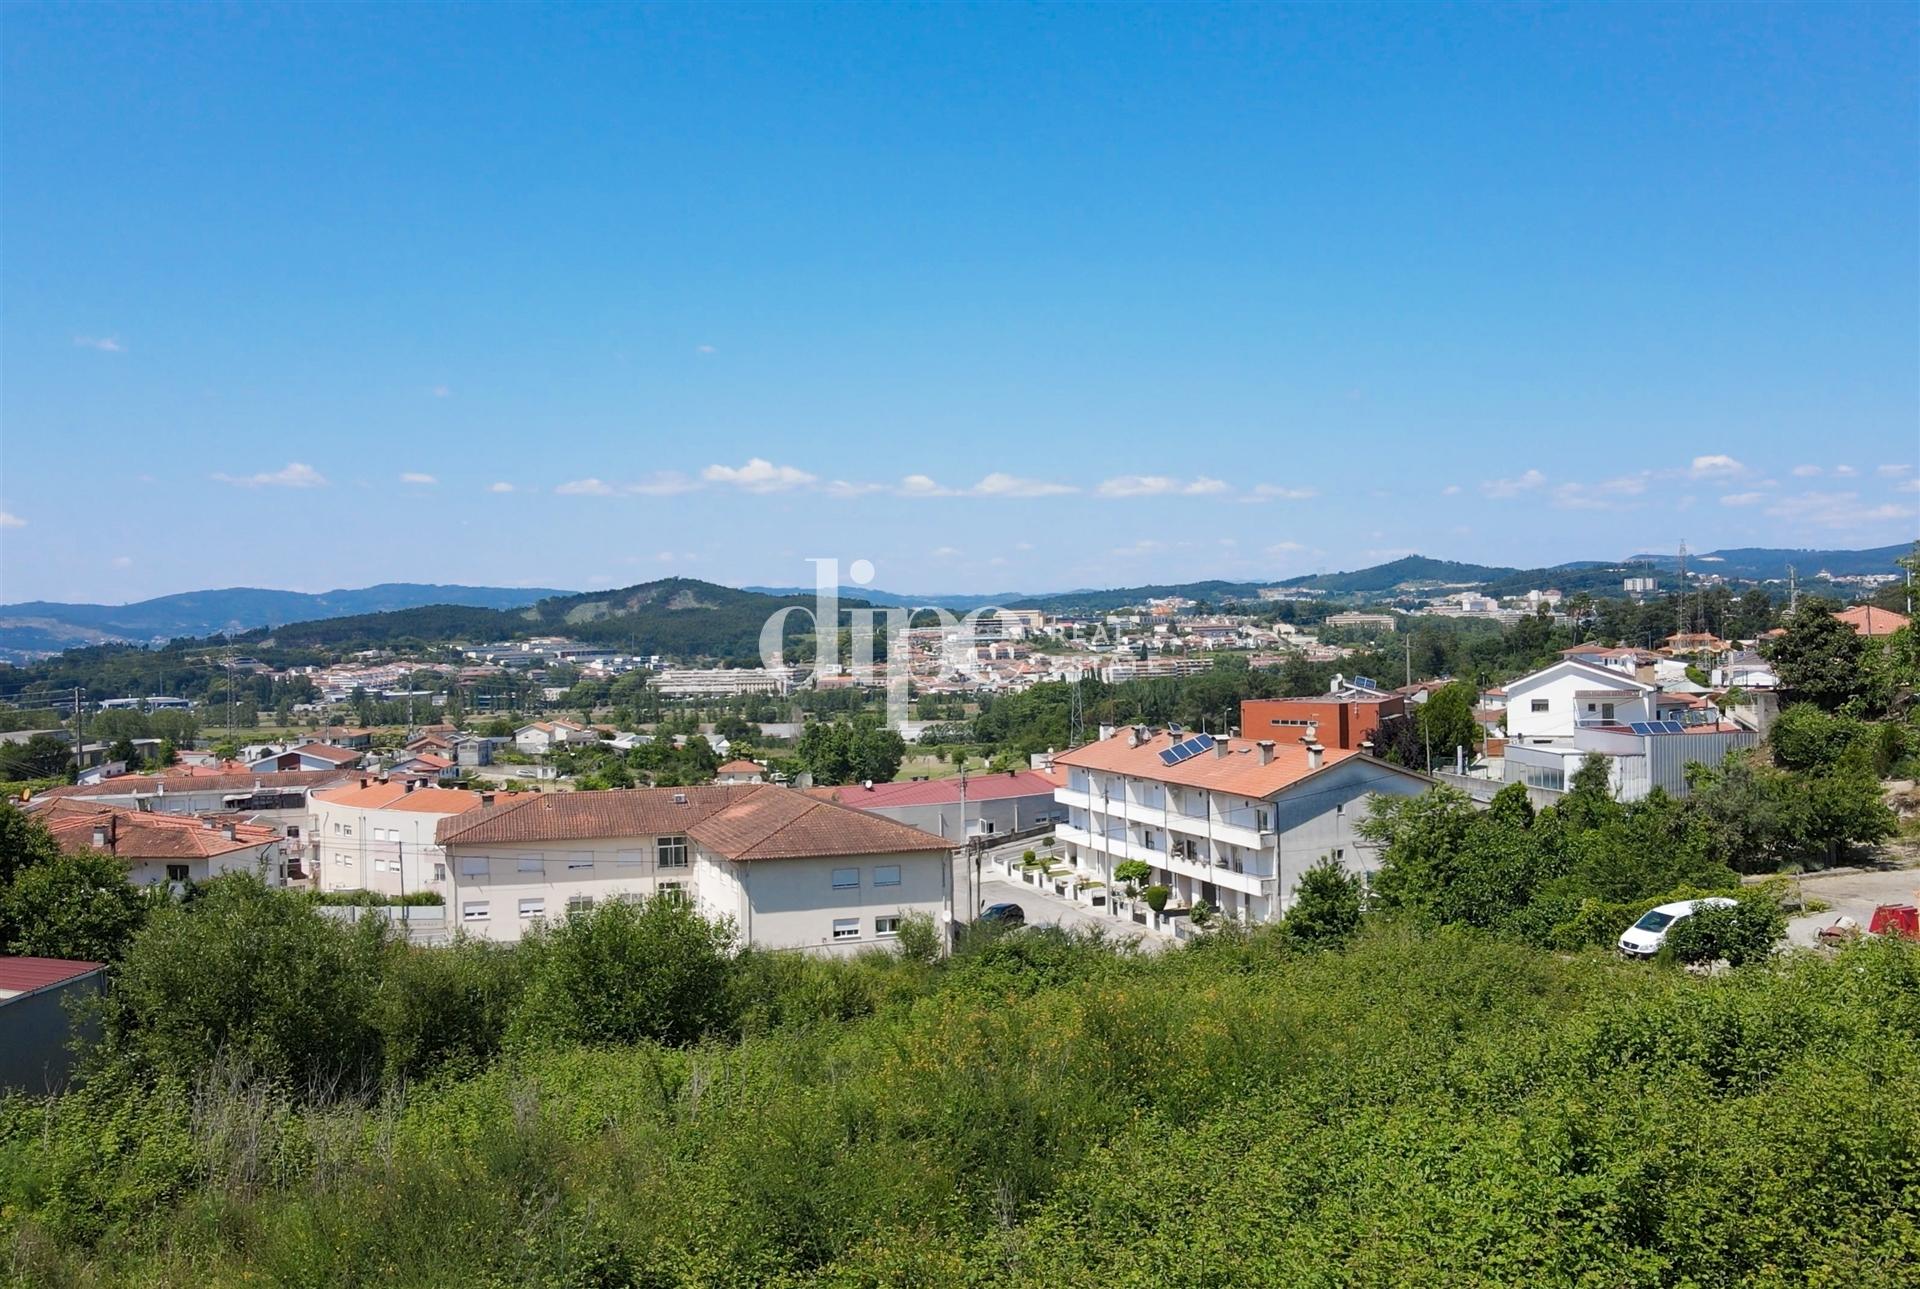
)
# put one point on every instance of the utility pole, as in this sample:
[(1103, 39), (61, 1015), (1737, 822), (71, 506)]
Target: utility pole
[(79, 733), (1680, 614), (1793, 589)]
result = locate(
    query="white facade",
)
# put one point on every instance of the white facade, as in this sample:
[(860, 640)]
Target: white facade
[(834, 904), (1549, 705), (1243, 856), (389, 851), (544, 736)]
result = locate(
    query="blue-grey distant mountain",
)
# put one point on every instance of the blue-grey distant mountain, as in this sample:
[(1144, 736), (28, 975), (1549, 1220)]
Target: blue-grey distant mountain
[(1763, 563), (43, 626), (895, 600)]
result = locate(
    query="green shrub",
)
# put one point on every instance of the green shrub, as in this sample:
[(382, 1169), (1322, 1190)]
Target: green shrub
[(1743, 932), (1156, 897)]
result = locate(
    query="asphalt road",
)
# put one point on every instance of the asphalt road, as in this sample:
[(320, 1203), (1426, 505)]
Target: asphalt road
[(1046, 909), (1852, 894)]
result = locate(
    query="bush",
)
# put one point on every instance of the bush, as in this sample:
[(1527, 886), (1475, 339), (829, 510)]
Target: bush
[(621, 972), (1327, 905), (1743, 932), (1156, 897), (258, 979), (77, 906), (444, 1007), (919, 937)]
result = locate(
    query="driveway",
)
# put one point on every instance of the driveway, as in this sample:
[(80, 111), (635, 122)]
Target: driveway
[(1043, 908), (1854, 894)]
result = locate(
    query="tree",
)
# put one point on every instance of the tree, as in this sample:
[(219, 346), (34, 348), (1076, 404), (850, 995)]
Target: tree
[(24, 842), (621, 972), (1327, 905), (44, 756), (1156, 897), (256, 976), (1130, 873), (1818, 659), (1742, 932), (1446, 719), (75, 906)]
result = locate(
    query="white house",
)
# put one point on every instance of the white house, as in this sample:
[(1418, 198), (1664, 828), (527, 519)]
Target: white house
[(308, 756), (1561, 714), (1231, 821), (379, 836), (791, 870), (544, 736), (167, 848), (741, 771)]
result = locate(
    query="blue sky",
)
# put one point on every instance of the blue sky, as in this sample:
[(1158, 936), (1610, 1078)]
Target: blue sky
[(997, 298)]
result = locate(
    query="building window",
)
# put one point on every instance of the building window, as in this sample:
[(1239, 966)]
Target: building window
[(887, 925), (336, 827), (579, 903), (439, 872), (1606, 711), (347, 829), (533, 908), (474, 911), (630, 857), (846, 928), (176, 872), (671, 852), (1538, 705), (473, 866), (846, 879), (578, 862), (293, 832), (674, 890), (887, 875), (1339, 808)]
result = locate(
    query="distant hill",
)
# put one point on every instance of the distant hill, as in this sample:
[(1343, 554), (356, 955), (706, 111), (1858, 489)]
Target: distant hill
[(1100, 601), (678, 617), (896, 599), (42, 625), (1761, 563), (1411, 568)]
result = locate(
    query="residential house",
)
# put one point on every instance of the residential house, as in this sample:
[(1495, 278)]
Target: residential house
[(308, 756), (379, 835), (277, 798), (1871, 621), (976, 807), (1561, 714), (1231, 821), (542, 737), (741, 771), (792, 871), (167, 848), (39, 1020)]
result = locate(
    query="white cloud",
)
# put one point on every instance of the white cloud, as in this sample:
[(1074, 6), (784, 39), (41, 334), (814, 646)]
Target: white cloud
[(1743, 499), (123, 561), (1807, 471), (945, 552), (105, 344), (1715, 466), (705, 349), (1911, 485), (1159, 485), (1285, 548), (920, 485), (585, 488), (10, 520), (1842, 510), (758, 475), (294, 474), (1608, 494), (1845, 471), (1280, 492), (502, 486), (1893, 471), (848, 488), (664, 483), (1009, 485), (416, 477), (1504, 488), (1451, 490), (441, 391), (1145, 546)]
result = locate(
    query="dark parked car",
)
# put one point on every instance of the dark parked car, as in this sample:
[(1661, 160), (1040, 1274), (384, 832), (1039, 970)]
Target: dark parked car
[(1005, 914)]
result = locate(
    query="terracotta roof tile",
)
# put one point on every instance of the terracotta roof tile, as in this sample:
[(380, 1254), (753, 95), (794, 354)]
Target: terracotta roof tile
[(394, 796), (1871, 621), (1236, 770), (142, 834)]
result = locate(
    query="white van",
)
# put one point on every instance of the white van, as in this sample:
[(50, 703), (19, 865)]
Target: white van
[(1644, 938)]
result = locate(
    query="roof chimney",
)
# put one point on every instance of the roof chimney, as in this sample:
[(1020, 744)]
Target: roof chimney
[(410, 785), (228, 832), (486, 798), (363, 781), (1313, 732), (99, 836), (1266, 751), (1315, 754), (1220, 747)]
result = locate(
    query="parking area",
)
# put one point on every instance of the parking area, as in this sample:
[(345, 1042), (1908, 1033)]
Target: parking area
[(1046, 909), (1854, 894)]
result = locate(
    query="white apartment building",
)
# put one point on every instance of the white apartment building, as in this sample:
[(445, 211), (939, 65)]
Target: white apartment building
[(723, 681), (792, 870), (379, 836), (1231, 821), (544, 736)]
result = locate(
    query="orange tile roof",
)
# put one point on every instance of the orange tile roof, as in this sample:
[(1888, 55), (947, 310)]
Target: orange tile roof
[(322, 752), (395, 796), (142, 834), (742, 767), (1236, 770), (741, 821), (1871, 621), (146, 784)]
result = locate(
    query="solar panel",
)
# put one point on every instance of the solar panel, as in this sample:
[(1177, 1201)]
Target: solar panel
[(1640, 727), (1204, 740), (1169, 758), (1673, 727)]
